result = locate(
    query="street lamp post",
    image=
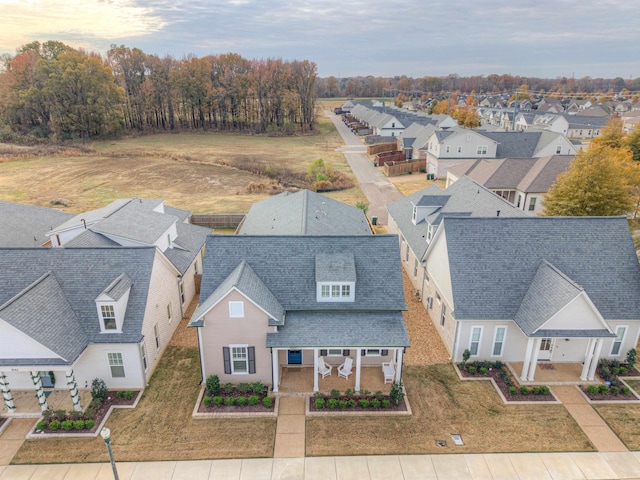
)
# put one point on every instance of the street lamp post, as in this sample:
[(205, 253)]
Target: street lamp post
[(106, 435)]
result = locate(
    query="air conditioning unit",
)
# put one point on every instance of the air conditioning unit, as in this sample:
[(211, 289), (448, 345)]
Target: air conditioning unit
[(429, 301)]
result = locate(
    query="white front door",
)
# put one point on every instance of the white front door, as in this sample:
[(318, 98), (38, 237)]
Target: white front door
[(546, 349)]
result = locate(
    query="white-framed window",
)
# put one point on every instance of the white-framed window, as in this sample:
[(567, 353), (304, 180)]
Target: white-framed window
[(372, 352), (474, 341), (325, 291), (558, 149), (429, 233), (169, 312), (335, 292), (116, 365), (346, 291), (406, 255), (239, 358), (415, 268), (443, 315), (156, 335), (334, 352), (498, 341), (236, 309), (181, 289), (617, 342), (532, 204), (481, 150), (143, 355), (108, 317)]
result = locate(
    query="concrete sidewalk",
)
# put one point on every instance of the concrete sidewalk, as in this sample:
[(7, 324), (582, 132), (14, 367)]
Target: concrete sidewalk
[(521, 466)]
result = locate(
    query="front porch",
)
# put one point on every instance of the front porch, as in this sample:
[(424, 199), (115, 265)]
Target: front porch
[(548, 373), (299, 379), (27, 406)]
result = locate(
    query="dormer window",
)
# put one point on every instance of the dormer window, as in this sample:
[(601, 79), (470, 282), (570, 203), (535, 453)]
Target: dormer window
[(335, 277), (429, 233), (336, 292), (108, 317)]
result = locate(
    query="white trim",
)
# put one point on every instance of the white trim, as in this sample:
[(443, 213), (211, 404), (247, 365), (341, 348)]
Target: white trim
[(479, 341), (504, 339), (236, 309), (124, 372), (204, 372), (246, 359), (223, 297)]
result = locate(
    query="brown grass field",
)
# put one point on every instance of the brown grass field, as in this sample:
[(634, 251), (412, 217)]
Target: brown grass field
[(186, 169)]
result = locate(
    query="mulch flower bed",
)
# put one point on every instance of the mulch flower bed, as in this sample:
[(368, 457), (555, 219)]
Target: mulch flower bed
[(355, 404), (236, 398), (606, 393), (94, 413), (505, 381)]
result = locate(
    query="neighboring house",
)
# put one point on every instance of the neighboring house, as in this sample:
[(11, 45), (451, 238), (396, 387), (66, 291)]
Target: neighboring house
[(416, 218), (532, 290), (521, 181), (571, 126), (269, 302), (141, 222), (83, 313), (303, 213), (26, 226)]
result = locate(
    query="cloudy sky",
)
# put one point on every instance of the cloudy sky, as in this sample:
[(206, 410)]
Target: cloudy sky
[(544, 38)]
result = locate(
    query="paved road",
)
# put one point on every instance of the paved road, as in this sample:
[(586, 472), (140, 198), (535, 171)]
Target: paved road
[(376, 187)]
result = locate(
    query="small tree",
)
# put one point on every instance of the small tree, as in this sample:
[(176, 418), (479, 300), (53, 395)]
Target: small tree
[(213, 385), (99, 390), (364, 206), (466, 355), (631, 358), (396, 394)]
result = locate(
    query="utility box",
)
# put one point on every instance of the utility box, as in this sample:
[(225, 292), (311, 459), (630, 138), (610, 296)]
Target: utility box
[(374, 220)]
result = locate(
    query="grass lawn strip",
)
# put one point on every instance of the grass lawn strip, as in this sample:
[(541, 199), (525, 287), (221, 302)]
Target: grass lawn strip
[(443, 405), (623, 419), (161, 427)]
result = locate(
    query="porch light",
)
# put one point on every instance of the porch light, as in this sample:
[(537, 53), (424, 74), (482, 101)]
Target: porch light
[(106, 435)]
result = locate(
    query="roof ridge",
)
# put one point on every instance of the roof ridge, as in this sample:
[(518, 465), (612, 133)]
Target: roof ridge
[(22, 292), (559, 272)]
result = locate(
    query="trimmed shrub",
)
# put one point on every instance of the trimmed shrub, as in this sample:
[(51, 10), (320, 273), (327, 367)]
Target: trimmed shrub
[(351, 403), (89, 424), (335, 393), (230, 401), (78, 425), (55, 425), (386, 403), (257, 388), (624, 389), (67, 425), (513, 390), (228, 388), (544, 390), (213, 385), (472, 370), (483, 370), (241, 401), (592, 389), (623, 371), (365, 393), (254, 400), (535, 390), (342, 404), (349, 393), (375, 403), (614, 390), (243, 387), (267, 402), (524, 390), (41, 425), (364, 403), (206, 401), (379, 395), (120, 394), (218, 400), (320, 402), (332, 403), (603, 389)]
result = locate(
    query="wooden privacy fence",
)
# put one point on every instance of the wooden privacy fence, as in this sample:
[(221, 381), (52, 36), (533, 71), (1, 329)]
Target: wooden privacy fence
[(392, 169), (382, 147), (217, 220), (384, 157)]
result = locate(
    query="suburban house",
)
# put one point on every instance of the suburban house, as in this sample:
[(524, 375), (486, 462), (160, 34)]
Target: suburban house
[(416, 218), (142, 222), (26, 225), (449, 147), (521, 181), (532, 290), (269, 303), (70, 315), (303, 213)]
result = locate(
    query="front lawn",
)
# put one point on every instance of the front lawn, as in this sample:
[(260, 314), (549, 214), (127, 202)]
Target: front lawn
[(161, 427), (443, 405), (623, 419)]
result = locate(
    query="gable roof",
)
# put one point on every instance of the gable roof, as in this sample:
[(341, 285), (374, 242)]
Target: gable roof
[(493, 262), (304, 213), (25, 225), (464, 197), (187, 245), (81, 275), (136, 221), (544, 173)]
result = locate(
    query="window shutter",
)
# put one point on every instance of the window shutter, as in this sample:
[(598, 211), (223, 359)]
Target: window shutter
[(346, 352), (323, 353), (384, 353), (252, 359), (363, 352), (227, 359)]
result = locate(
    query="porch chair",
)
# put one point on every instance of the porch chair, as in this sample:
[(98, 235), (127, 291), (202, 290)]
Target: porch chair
[(344, 370), (389, 372), (323, 368)]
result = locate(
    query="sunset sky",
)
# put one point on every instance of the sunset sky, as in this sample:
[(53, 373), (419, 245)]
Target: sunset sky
[(540, 38)]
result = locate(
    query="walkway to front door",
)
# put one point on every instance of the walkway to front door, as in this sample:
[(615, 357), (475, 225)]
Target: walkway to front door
[(290, 429)]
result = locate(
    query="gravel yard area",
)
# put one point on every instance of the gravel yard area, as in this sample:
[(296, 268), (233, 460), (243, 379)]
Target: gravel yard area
[(184, 336), (426, 346)]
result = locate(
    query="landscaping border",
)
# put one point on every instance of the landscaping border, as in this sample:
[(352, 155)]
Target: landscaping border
[(203, 416), (370, 413), (612, 402), (32, 433), (504, 400)]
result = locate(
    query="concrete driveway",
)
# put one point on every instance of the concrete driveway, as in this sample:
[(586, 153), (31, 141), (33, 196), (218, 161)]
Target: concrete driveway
[(376, 187)]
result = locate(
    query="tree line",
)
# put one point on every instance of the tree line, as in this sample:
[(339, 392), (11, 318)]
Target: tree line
[(52, 89)]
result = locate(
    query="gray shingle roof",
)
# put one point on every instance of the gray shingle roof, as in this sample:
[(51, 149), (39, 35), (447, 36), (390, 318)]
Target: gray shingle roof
[(544, 173), (306, 329), (187, 245), (89, 238), (493, 262), (118, 287), (82, 275), (304, 213), (515, 144), (335, 267), (464, 197), (26, 225)]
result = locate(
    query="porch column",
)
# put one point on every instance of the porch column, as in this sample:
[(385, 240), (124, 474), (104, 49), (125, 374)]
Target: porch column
[(587, 360), (596, 359), (275, 368), (399, 365), (527, 359), (42, 400), (358, 362), (534, 359), (315, 369), (6, 393), (73, 390)]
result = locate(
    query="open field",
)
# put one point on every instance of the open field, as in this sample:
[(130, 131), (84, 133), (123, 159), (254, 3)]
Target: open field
[(443, 405), (161, 427), (187, 169)]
